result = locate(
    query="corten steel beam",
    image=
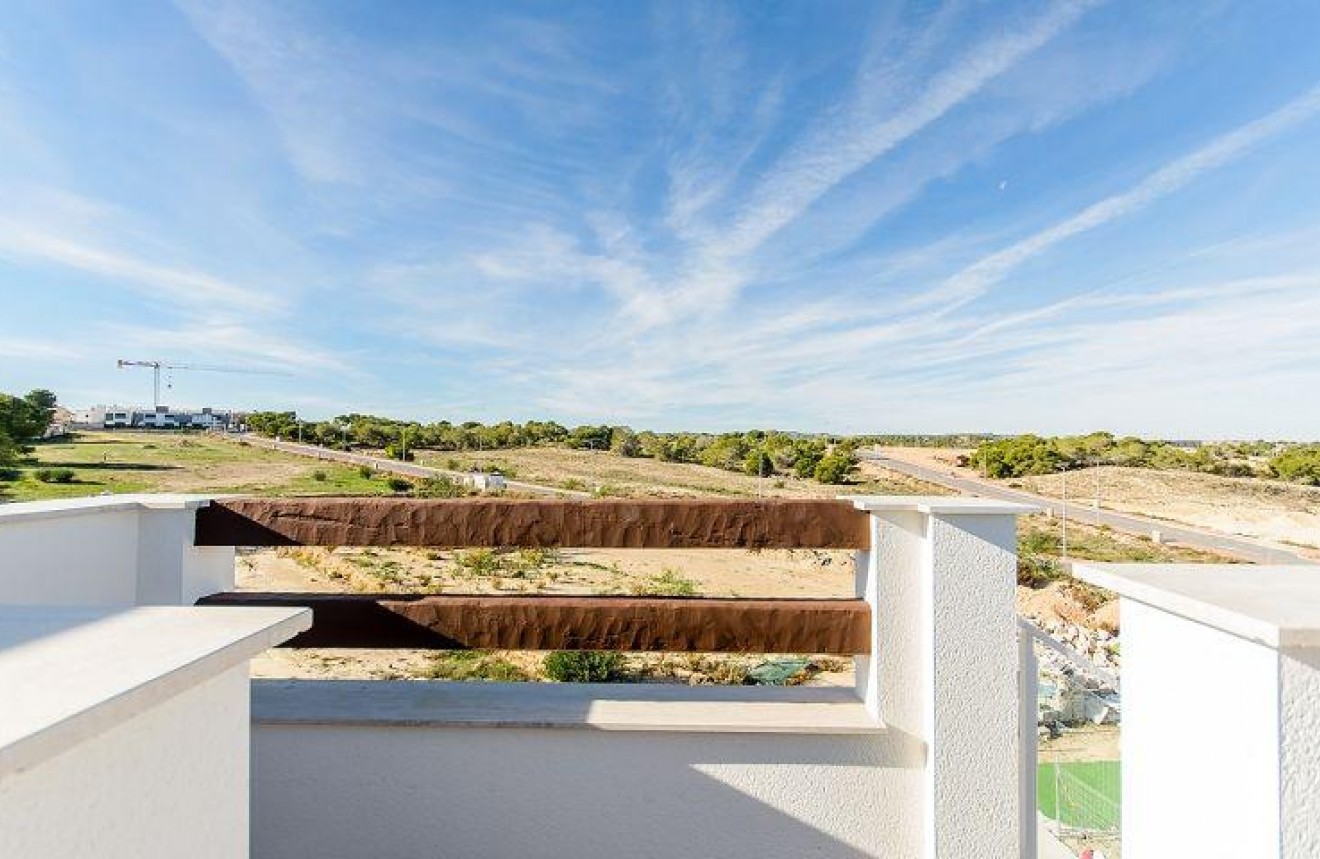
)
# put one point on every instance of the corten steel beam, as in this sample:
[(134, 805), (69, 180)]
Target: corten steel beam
[(677, 624), (494, 522)]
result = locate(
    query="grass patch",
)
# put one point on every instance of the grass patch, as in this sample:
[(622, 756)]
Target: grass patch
[(1084, 794), (470, 665), (669, 583)]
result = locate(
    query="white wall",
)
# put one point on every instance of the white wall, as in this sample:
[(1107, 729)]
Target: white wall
[(112, 550), (1299, 763), (168, 783), (1200, 710), (351, 792)]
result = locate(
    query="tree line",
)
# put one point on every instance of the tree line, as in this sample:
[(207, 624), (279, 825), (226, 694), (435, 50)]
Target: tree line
[(757, 452), (1023, 455)]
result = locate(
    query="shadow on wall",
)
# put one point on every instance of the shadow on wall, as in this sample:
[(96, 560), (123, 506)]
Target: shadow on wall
[(470, 792)]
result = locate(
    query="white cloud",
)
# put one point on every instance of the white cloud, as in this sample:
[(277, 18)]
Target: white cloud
[(992, 269)]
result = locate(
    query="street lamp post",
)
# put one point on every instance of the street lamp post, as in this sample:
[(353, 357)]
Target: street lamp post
[(1064, 541)]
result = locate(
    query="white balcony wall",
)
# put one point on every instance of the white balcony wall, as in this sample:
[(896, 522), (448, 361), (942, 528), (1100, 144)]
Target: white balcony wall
[(113, 550), (918, 763), (1221, 709), (169, 782)]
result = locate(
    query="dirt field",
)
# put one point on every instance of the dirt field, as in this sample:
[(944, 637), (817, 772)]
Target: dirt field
[(610, 474), (1251, 507)]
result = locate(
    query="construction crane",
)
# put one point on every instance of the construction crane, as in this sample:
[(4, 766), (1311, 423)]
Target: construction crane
[(157, 366)]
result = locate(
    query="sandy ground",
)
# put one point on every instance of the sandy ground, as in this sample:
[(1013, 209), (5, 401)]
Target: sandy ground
[(1083, 743), (783, 573), (1285, 513)]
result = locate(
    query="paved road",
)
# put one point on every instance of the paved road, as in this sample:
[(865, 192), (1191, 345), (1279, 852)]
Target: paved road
[(1243, 548), (392, 466)]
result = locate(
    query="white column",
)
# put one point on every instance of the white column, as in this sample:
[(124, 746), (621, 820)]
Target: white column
[(940, 579), (1221, 708), (171, 570)]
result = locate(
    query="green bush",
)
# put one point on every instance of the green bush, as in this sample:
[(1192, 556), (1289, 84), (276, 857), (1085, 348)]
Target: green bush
[(439, 487), (399, 484), (473, 665), (836, 466), (669, 583), (480, 562), (366, 472), (583, 666), (1300, 464), (396, 451), (319, 475), (54, 475)]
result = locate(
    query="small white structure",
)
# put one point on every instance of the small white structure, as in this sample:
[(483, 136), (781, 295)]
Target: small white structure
[(1241, 778), (487, 482)]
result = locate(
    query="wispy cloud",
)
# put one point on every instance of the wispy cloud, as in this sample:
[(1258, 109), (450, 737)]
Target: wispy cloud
[(992, 269)]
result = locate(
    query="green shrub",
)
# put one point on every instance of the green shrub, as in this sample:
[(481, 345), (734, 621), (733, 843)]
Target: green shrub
[(439, 487), (399, 484), (366, 472), (473, 665), (669, 583), (319, 475), (54, 475), (480, 562), (583, 666), (396, 451), (836, 467)]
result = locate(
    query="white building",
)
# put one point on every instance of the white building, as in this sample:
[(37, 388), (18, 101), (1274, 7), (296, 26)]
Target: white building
[(161, 417)]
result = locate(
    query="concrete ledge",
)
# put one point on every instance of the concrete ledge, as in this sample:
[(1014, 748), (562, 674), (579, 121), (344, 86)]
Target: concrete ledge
[(937, 504), (64, 507), (68, 674), (586, 706), (1278, 606)]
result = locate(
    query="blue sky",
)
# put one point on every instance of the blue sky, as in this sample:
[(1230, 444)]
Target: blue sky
[(1051, 216)]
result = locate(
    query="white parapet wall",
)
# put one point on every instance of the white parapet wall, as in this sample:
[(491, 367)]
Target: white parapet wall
[(124, 732), (1221, 708), (108, 550), (920, 763)]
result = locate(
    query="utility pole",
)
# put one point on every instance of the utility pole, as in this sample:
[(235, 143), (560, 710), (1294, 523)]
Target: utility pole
[(1064, 541)]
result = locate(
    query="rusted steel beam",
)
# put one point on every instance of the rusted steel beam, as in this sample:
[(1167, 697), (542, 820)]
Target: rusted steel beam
[(677, 624), (604, 523)]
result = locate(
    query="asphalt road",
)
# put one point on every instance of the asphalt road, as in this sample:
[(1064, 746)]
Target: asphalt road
[(394, 466), (1244, 548)]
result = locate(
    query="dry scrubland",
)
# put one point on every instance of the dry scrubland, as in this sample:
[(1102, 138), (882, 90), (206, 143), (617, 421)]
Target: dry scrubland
[(137, 462), (610, 474), (1271, 510)]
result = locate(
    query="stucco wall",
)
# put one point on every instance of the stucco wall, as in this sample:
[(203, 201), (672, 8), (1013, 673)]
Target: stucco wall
[(84, 557), (1299, 676), (171, 782), (124, 550), (1200, 740), (350, 792)]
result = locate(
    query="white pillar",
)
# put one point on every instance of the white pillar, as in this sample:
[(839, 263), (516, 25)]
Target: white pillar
[(940, 579), (1221, 708), (171, 570)]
